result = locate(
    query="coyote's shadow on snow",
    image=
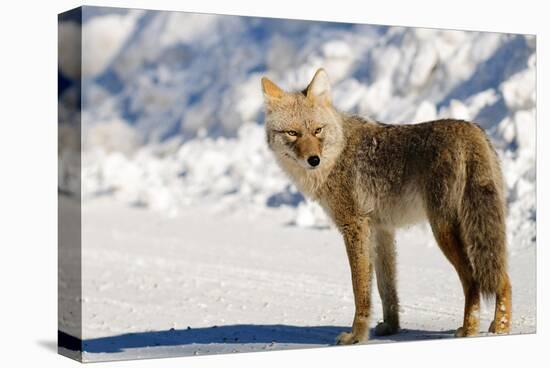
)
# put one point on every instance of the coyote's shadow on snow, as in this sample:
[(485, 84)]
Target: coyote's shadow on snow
[(234, 334)]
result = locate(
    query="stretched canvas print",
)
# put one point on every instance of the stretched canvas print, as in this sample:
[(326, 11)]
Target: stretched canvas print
[(236, 184)]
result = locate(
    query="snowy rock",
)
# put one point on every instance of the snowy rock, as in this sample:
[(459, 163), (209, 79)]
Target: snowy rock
[(526, 132), (423, 66), (111, 136), (102, 38), (507, 130), (519, 91), (456, 110), (309, 214), (425, 112)]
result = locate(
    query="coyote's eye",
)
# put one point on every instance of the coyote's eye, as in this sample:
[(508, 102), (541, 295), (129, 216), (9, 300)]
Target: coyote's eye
[(318, 130), (292, 133)]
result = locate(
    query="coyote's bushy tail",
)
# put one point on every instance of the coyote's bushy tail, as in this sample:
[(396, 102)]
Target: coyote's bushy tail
[(483, 219)]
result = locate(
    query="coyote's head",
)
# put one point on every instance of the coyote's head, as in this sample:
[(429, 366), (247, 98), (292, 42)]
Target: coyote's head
[(303, 128)]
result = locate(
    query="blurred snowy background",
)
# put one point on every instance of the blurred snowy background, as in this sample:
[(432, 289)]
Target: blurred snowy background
[(172, 107)]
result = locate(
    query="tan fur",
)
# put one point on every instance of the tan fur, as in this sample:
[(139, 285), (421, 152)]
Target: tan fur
[(384, 266), (374, 178)]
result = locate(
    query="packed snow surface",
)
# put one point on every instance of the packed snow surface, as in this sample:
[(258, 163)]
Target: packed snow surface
[(188, 220), (208, 282)]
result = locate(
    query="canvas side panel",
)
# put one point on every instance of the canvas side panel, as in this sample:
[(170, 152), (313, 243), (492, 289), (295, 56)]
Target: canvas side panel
[(69, 184)]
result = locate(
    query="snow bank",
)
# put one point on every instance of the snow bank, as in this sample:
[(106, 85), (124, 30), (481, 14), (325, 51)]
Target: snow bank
[(102, 39), (230, 172), (185, 88)]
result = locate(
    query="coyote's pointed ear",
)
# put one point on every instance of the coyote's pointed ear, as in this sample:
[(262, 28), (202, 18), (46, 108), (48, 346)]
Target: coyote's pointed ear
[(319, 87), (270, 89)]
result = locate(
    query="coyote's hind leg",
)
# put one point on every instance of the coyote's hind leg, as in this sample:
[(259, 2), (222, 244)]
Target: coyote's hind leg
[(384, 265), (503, 308), (449, 241)]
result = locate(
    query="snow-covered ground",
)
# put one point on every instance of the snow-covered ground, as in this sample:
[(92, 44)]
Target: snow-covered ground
[(188, 221), (206, 282)]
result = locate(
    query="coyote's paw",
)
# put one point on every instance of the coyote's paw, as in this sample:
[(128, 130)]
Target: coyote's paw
[(349, 338), (385, 329), (462, 332)]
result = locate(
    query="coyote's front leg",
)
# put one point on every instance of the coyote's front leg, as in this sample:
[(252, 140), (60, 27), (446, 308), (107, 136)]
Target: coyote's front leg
[(357, 247)]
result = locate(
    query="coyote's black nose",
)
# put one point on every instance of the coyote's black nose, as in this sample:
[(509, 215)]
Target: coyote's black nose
[(313, 160)]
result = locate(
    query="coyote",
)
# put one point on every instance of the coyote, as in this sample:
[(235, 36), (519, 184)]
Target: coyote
[(372, 178)]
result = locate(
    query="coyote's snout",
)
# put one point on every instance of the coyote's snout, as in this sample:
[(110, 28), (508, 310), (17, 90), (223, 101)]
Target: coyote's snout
[(373, 178)]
